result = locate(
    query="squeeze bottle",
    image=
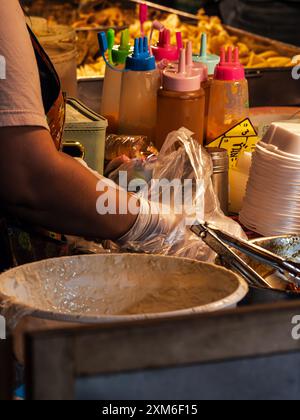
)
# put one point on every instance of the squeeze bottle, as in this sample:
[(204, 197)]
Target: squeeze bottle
[(229, 98), (140, 83), (181, 102), (210, 61), (110, 104)]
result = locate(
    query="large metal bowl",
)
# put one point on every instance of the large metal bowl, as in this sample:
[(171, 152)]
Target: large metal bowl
[(113, 288)]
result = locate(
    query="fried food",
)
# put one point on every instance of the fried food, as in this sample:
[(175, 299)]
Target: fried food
[(92, 70), (112, 16)]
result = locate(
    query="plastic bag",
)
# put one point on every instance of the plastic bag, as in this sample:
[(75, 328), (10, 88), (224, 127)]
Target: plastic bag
[(186, 165), (130, 146)]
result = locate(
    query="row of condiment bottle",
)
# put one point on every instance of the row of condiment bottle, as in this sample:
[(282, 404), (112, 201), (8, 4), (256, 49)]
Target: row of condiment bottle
[(165, 87)]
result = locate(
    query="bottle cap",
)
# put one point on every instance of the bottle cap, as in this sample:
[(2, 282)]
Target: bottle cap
[(210, 60), (143, 15), (122, 51), (230, 67), (110, 44), (143, 12), (141, 60), (199, 68), (183, 78), (164, 50)]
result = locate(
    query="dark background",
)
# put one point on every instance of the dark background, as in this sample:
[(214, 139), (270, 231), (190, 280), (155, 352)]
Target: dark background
[(277, 19)]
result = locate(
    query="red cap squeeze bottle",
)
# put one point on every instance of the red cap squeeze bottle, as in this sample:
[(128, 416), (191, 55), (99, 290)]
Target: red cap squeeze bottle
[(164, 50), (230, 67)]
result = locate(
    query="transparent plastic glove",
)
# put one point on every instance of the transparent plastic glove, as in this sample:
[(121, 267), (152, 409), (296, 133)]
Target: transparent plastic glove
[(134, 169), (159, 231), (115, 164)]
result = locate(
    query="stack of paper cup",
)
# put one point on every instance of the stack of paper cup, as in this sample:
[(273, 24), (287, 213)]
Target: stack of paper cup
[(272, 202)]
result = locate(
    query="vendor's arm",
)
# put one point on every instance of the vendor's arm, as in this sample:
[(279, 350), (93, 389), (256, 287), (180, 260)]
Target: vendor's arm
[(52, 190), (37, 183)]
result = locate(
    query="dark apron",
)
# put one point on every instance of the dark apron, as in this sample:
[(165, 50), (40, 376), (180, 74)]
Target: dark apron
[(20, 243)]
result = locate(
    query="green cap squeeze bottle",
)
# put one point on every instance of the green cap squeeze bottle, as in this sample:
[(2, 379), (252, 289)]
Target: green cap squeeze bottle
[(122, 51), (117, 55)]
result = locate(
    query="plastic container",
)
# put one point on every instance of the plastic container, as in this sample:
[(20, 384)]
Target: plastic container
[(238, 179), (181, 102), (140, 83), (285, 136), (229, 98), (110, 104), (59, 43)]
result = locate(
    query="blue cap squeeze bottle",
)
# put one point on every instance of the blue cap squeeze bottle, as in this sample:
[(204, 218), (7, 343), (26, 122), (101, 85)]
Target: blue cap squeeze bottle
[(140, 83)]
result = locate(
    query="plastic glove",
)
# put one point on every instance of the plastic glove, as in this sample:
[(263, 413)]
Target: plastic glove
[(134, 168), (159, 231)]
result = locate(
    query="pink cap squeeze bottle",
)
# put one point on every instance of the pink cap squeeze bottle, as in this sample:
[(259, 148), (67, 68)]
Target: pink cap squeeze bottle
[(181, 102), (229, 98), (198, 68), (230, 67)]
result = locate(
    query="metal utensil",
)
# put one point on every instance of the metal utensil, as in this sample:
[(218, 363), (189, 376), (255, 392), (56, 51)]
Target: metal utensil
[(288, 278)]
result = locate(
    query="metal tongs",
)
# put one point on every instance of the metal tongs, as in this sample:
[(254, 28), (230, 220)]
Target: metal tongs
[(288, 279)]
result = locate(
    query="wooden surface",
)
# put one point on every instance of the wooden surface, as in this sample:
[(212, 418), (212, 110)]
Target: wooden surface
[(56, 358), (6, 369)]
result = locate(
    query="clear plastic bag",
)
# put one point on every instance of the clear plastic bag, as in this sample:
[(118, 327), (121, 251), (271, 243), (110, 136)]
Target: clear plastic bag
[(130, 146), (185, 163)]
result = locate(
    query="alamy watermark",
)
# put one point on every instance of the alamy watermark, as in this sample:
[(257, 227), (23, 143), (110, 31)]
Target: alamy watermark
[(177, 196), (296, 328), (296, 68), (2, 67), (2, 328)]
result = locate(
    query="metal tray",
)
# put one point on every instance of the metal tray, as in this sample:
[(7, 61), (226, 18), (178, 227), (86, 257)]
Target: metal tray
[(268, 86), (271, 86)]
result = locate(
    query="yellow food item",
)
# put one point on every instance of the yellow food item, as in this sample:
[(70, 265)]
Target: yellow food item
[(91, 70)]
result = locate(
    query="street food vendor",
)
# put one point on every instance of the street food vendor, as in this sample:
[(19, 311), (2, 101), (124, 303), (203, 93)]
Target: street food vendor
[(40, 186)]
